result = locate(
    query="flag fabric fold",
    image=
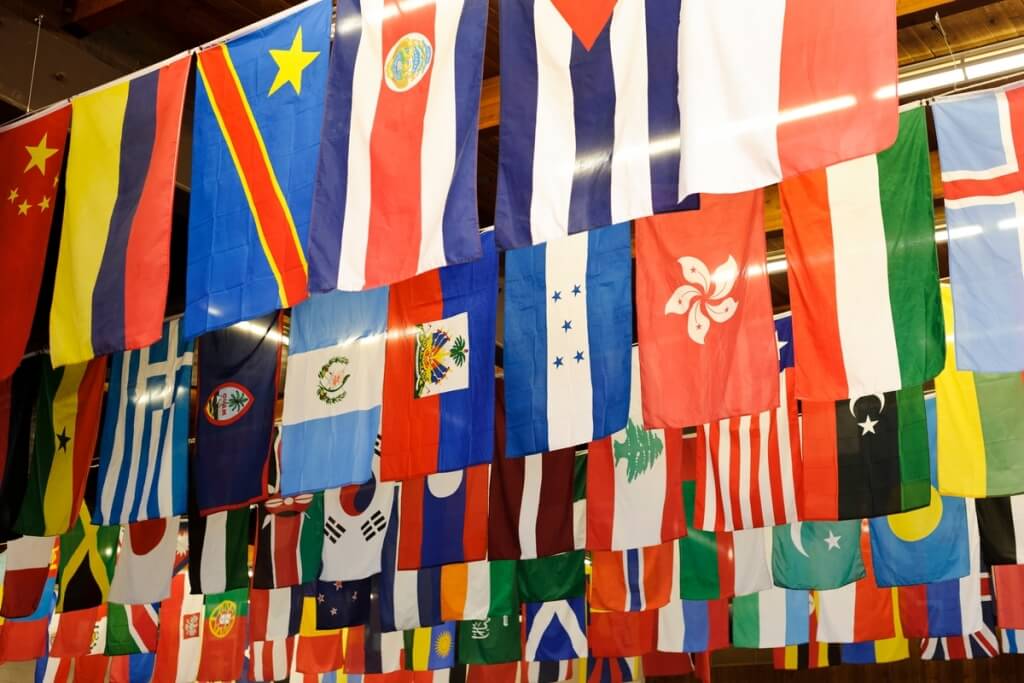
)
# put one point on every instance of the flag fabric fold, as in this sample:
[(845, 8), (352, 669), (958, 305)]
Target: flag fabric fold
[(443, 518), (86, 563), (145, 562), (817, 555)]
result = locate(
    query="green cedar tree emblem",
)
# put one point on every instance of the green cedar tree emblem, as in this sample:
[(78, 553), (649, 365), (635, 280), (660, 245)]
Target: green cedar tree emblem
[(640, 450)]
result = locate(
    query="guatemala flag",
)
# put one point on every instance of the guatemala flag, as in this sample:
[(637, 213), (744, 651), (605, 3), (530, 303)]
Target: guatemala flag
[(568, 307)]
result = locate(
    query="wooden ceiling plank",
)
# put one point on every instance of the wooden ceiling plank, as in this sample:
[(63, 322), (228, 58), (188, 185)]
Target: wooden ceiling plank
[(81, 17)]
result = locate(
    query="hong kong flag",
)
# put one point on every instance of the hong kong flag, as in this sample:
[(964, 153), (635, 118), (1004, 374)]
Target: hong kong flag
[(704, 311)]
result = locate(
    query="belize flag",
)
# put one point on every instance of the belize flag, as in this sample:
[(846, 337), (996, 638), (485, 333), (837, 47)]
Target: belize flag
[(589, 116), (439, 370), (568, 304), (395, 192)]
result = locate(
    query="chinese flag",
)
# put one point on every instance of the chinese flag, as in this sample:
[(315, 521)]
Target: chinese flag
[(704, 312), (32, 151)]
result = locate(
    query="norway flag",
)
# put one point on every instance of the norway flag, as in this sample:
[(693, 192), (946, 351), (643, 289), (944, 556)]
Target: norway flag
[(396, 184)]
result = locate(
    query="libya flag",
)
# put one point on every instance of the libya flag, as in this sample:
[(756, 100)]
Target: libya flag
[(66, 426), (866, 456), (489, 641), (863, 274), (981, 426), (817, 555)]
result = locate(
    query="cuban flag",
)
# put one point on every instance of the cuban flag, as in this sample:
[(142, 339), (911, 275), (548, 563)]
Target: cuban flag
[(568, 307), (589, 116), (396, 184)]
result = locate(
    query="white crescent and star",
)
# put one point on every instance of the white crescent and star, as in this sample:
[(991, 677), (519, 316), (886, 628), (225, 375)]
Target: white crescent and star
[(832, 541), (794, 534), (868, 425)]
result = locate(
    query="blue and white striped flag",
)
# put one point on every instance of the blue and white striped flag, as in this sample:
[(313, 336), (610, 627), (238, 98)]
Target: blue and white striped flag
[(144, 446), (568, 335)]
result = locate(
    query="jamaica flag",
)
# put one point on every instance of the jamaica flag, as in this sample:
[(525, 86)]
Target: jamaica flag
[(86, 563)]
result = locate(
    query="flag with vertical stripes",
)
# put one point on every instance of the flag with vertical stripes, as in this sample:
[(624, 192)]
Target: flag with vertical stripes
[(860, 610), (443, 518), (776, 617), (144, 443), (289, 540), (430, 648), (18, 395), (477, 590), (693, 626), (403, 98), (115, 244), (270, 660), (181, 634), (633, 580), (275, 613), (408, 598), (218, 551), (255, 136)]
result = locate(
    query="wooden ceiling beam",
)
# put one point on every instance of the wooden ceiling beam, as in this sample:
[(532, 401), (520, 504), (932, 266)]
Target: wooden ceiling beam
[(81, 17)]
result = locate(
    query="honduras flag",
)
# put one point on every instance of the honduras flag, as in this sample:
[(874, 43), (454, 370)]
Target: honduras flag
[(332, 394), (568, 307), (926, 545)]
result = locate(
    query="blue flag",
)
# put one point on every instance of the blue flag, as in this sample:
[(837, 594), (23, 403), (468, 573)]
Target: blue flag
[(568, 333), (256, 135)]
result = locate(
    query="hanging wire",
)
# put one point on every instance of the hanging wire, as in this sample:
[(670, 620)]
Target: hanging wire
[(35, 57)]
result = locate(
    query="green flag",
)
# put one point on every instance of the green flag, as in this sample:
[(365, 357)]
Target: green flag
[(699, 577), (546, 579), (489, 641), (817, 555)]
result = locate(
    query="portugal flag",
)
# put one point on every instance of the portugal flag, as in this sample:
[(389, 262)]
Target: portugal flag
[(32, 151)]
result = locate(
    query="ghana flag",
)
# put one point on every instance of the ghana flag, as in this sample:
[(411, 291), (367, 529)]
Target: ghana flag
[(67, 423)]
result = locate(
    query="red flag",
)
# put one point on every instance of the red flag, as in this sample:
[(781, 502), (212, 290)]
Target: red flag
[(1009, 586), (76, 632), (622, 634), (667, 664), (91, 669), (33, 153), (633, 580), (704, 313), (28, 566)]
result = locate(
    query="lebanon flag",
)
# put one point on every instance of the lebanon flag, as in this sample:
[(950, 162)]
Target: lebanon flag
[(145, 562), (396, 185), (704, 313), (863, 275), (800, 84)]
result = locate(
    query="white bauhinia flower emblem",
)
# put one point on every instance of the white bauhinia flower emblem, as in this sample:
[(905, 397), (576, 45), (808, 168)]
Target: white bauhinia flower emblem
[(706, 296)]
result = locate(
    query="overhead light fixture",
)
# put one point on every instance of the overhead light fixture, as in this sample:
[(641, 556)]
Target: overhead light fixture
[(964, 68)]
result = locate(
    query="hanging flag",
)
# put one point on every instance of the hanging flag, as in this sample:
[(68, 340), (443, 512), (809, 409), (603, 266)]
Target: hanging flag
[(622, 634), (144, 445), (860, 610), (893, 649), (817, 555), (131, 629), (696, 271), (534, 508), (634, 482), (776, 617), (430, 648), (1008, 580), (26, 638), (547, 579), (813, 655), (439, 369), (394, 120), (667, 664), (865, 457), (489, 641), (86, 563), (927, 545), (408, 598), (137, 668), (181, 634), (788, 98), (218, 551), (355, 525), (693, 626), (27, 570), (981, 640), (547, 672), (980, 182), (1001, 526), (33, 148), (368, 649), (224, 640), (568, 161), (555, 630), (54, 670), (67, 423), (981, 425), (750, 469), (613, 669), (115, 243), (945, 608), (721, 564), (18, 395), (271, 660), (317, 650), (275, 613), (238, 384), (477, 590), (255, 136), (632, 580), (443, 518), (78, 633), (145, 562), (339, 605), (320, 419), (289, 540), (566, 352), (859, 237)]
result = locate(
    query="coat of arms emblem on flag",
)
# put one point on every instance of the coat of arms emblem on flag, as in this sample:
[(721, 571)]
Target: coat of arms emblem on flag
[(442, 352), (331, 382)]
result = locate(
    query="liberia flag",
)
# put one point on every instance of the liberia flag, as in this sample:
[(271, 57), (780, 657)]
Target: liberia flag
[(396, 185), (589, 118), (798, 85)]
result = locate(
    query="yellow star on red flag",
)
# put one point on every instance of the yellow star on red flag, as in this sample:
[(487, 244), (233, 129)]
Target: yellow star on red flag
[(23, 208), (38, 154)]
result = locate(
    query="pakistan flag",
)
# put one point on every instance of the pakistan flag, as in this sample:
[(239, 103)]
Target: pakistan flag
[(489, 641), (817, 555)]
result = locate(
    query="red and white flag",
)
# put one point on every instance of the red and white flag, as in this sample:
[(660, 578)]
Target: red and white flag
[(28, 564), (180, 636), (145, 562), (704, 313), (270, 660)]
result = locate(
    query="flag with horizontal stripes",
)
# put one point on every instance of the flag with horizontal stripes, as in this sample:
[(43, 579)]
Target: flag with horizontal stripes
[(115, 244), (289, 540), (569, 162), (86, 563), (403, 98), (443, 518), (144, 443), (26, 569), (255, 137)]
